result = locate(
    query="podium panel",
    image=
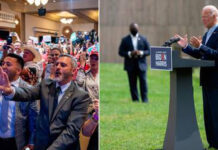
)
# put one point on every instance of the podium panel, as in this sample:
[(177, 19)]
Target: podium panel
[(182, 131)]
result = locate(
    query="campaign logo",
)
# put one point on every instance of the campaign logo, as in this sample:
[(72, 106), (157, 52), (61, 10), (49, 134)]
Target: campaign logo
[(161, 58)]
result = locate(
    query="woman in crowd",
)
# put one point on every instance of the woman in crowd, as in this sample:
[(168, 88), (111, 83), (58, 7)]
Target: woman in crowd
[(90, 82)]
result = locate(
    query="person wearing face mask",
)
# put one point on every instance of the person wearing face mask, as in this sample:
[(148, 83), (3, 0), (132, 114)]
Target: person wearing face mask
[(134, 48)]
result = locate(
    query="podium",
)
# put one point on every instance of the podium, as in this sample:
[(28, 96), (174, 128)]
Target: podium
[(182, 130)]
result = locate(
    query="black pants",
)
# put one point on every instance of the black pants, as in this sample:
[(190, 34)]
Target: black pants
[(210, 101), (133, 75), (8, 144)]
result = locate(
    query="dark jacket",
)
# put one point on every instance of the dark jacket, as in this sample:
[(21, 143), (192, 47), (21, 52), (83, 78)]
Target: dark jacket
[(208, 51), (25, 121), (131, 63), (59, 131)]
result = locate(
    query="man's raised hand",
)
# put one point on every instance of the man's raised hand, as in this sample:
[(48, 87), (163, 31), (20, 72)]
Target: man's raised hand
[(5, 85), (183, 42)]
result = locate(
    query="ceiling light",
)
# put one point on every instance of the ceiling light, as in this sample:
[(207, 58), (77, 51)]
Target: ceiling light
[(67, 31), (37, 2), (44, 2), (66, 21), (30, 1), (16, 21)]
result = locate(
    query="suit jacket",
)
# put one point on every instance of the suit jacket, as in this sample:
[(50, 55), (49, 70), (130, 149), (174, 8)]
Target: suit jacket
[(59, 131), (208, 51), (25, 120), (132, 63)]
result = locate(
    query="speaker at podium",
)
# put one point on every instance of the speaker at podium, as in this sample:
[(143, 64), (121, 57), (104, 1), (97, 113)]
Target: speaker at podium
[(182, 131)]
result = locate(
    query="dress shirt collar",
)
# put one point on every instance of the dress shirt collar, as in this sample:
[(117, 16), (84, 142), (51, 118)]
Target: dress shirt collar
[(16, 82), (63, 87), (213, 27), (210, 32), (136, 36)]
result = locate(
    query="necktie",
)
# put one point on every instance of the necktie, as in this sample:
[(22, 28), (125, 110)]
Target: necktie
[(4, 116), (55, 103)]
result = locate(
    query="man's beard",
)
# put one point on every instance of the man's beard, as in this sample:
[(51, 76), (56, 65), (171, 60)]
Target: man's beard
[(62, 77), (59, 78)]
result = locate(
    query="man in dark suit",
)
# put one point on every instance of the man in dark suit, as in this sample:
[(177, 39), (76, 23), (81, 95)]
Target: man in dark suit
[(207, 49), (18, 130), (134, 48), (63, 106)]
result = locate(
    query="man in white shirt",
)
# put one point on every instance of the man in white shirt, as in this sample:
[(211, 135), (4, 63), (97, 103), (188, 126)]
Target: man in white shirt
[(134, 48), (17, 119)]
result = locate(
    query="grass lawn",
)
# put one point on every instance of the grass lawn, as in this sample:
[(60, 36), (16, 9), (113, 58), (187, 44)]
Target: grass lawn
[(125, 125)]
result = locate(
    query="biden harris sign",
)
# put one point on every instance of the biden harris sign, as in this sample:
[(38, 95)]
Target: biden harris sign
[(161, 58)]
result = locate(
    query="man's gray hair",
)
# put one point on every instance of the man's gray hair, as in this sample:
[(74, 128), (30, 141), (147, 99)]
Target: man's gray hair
[(73, 60), (212, 8)]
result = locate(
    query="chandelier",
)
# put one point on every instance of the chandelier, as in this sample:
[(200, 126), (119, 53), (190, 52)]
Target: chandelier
[(66, 21), (37, 2)]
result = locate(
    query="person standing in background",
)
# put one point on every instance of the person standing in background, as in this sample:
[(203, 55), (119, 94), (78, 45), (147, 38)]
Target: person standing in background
[(134, 48)]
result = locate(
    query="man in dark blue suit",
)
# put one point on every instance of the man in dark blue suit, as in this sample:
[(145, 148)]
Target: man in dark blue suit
[(134, 48), (207, 49)]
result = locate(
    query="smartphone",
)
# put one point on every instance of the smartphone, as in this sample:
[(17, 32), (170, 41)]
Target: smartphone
[(9, 40)]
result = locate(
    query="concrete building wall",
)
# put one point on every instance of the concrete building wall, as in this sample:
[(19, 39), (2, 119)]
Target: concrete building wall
[(158, 20)]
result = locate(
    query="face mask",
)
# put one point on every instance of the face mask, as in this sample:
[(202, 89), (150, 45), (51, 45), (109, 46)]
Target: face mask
[(133, 31)]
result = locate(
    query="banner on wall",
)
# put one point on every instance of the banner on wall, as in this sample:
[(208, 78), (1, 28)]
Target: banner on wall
[(35, 39), (47, 38)]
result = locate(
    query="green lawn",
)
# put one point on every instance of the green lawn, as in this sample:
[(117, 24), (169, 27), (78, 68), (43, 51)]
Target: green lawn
[(125, 125)]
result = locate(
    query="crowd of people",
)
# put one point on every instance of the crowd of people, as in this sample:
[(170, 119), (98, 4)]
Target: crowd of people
[(50, 93)]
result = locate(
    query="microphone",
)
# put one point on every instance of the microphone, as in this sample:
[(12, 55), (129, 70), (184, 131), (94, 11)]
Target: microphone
[(171, 41)]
